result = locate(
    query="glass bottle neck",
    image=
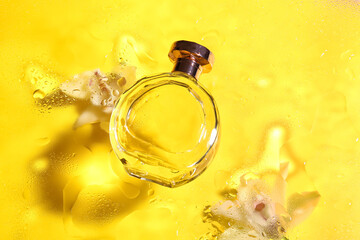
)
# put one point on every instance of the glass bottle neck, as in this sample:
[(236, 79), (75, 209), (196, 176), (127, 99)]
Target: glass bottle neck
[(188, 66)]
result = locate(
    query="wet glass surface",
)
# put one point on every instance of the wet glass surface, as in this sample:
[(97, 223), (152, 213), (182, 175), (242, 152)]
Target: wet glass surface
[(286, 80)]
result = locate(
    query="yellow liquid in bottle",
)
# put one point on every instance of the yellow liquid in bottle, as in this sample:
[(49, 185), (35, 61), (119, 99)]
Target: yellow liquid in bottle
[(165, 129), (169, 118)]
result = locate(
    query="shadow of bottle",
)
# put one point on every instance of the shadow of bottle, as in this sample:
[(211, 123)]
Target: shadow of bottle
[(83, 153)]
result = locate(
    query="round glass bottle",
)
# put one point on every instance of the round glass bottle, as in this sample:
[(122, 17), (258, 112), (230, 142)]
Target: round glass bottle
[(165, 128)]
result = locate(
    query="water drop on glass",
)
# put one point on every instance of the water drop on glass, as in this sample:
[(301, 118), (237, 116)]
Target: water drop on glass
[(150, 192), (42, 141), (38, 94)]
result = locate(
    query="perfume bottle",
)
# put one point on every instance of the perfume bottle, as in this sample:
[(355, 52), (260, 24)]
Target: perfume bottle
[(165, 128)]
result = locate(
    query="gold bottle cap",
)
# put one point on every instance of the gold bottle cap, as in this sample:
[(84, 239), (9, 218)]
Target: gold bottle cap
[(191, 58)]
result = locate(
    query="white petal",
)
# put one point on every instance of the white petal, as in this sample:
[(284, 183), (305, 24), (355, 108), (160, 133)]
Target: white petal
[(76, 88), (301, 205), (129, 73), (91, 115), (228, 209), (279, 191), (238, 233)]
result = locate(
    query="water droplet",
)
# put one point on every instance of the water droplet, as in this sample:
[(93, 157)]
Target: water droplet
[(130, 191), (231, 193), (43, 141), (121, 82), (150, 192), (116, 93), (104, 102), (38, 94), (153, 200)]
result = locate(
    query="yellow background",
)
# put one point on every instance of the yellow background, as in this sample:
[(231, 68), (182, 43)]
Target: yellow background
[(286, 80)]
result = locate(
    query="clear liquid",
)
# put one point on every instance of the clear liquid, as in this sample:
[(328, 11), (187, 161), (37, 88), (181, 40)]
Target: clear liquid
[(163, 129), (167, 117)]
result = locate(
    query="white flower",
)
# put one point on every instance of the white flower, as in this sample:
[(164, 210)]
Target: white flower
[(99, 90), (257, 214)]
